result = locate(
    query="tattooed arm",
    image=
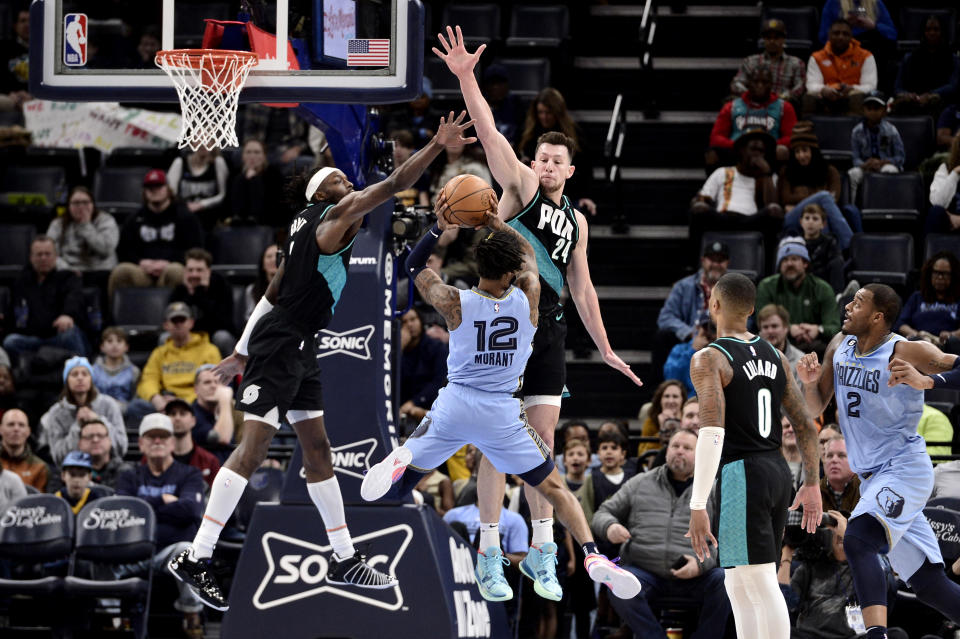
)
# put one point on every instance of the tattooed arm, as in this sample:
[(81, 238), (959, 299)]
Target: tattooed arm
[(795, 408), (912, 359), (710, 372), (444, 298)]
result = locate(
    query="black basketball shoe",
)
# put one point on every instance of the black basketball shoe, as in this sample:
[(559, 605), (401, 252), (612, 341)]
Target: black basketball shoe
[(198, 576), (354, 571)]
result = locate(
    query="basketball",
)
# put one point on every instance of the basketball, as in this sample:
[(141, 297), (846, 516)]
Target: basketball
[(468, 199)]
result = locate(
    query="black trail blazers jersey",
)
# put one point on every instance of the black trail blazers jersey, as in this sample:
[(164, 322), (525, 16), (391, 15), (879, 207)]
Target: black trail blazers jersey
[(753, 397)]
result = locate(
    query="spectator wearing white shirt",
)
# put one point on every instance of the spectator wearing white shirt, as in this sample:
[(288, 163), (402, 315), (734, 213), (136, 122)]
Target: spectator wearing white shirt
[(944, 213), (840, 74)]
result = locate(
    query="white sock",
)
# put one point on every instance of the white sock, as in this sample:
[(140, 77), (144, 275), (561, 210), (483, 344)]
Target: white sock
[(225, 494), (489, 535), (542, 531), (328, 500)]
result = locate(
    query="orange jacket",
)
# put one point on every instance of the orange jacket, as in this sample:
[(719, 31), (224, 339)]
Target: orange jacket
[(841, 69)]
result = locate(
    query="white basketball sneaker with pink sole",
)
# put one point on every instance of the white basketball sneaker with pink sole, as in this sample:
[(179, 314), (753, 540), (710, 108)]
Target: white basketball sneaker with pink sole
[(378, 479), (622, 584)]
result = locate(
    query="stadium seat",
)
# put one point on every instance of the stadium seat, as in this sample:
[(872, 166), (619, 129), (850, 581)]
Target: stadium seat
[(46, 536), (15, 242), (28, 194), (480, 22), (919, 138), (913, 21), (111, 531), (139, 310), (833, 134), (527, 76), (119, 190), (946, 524), (746, 251), (131, 156), (936, 242), (538, 26), (77, 164), (445, 84), (802, 25), (882, 257), (892, 196), (237, 250), (950, 503)]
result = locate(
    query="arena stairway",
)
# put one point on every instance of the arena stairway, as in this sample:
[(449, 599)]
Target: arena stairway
[(662, 168)]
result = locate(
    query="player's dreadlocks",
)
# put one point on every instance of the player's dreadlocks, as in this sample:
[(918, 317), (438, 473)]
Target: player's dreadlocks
[(498, 253)]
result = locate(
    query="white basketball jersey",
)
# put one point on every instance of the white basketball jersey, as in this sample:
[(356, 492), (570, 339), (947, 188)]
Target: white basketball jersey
[(490, 348)]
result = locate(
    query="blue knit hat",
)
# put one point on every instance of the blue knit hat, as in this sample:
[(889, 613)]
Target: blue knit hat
[(792, 246), (72, 363)]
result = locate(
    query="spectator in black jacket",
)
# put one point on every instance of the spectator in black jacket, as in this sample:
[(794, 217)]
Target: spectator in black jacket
[(155, 238), (175, 492), (209, 296), (826, 259), (256, 191), (423, 367), (47, 305)]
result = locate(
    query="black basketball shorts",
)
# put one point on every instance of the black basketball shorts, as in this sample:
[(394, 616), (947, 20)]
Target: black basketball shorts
[(281, 373), (752, 498), (546, 371)]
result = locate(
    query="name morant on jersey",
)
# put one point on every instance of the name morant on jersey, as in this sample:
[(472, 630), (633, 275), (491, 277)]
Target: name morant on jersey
[(494, 359), (760, 367), (857, 377), (558, 221)]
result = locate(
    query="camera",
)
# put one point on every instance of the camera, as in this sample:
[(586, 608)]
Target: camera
[(410, 222), (382, 150)]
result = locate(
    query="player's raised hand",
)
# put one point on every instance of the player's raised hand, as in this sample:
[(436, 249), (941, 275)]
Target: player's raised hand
[(613, 360), (229, 368), (450, 132), (490, 219), (808, 368), (699, 533), (455, 54), (809, 498), (902, 372)]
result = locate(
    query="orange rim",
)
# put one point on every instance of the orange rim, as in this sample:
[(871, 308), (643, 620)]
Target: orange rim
[(193, 58)]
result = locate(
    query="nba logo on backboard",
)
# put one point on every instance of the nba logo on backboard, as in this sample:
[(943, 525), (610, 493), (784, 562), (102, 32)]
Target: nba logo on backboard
[(75, 39)]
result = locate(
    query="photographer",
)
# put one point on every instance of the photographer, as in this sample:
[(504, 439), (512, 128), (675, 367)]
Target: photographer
[(822, 585)]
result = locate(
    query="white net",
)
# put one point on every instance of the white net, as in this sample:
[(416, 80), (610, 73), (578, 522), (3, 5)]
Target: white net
[(208, 82)]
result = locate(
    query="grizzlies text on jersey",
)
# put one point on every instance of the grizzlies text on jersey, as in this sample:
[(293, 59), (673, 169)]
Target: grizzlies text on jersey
[(490, 348), (553, 232), (312, 281), (877, 421)]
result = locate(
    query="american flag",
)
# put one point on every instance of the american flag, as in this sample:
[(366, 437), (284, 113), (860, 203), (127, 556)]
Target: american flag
[(368, 53)]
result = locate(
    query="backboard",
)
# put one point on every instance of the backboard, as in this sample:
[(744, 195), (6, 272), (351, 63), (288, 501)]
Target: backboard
[(348, 51)]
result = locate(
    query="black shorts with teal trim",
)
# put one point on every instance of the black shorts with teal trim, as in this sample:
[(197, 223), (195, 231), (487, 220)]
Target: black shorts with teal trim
[(753, 495), (282, 371), (546, 371)]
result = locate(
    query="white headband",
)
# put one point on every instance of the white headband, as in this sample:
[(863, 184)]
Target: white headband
[(316, 180)]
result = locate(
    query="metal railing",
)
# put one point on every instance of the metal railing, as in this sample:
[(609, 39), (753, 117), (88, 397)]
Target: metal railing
[(612, 149)]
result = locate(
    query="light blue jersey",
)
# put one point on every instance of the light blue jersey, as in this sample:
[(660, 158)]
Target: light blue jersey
[(878, 422), (490, 348)]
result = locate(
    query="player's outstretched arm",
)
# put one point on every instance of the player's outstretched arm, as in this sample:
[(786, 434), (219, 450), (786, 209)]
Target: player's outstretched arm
[(233, 364), (514, 177), (588, 303), (795, 408), (817, 380), (922, 365), (358, 203), (707, 370)]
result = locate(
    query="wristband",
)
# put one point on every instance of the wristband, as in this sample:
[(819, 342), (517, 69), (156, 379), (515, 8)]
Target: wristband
[(948, 379), (262, 308), (417, 260)]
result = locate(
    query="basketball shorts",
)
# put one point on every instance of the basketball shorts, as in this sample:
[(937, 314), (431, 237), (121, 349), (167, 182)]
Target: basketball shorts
[(493, 422), (896, 495), (546, 371), (281, 373), (753, 495)]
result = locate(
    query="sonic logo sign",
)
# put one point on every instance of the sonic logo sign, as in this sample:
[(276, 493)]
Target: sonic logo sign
[(351, 459), (473, 616), (353, 343), (297, 569)]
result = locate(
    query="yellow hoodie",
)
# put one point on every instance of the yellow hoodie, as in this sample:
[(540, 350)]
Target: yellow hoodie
[(172, 369)]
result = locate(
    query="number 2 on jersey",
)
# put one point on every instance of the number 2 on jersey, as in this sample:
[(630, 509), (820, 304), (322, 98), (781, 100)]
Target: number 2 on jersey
[(764, 413), (562, 250), (500, 339)]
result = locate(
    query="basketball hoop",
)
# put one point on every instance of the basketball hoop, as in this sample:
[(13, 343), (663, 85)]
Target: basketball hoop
[(208, 82)]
